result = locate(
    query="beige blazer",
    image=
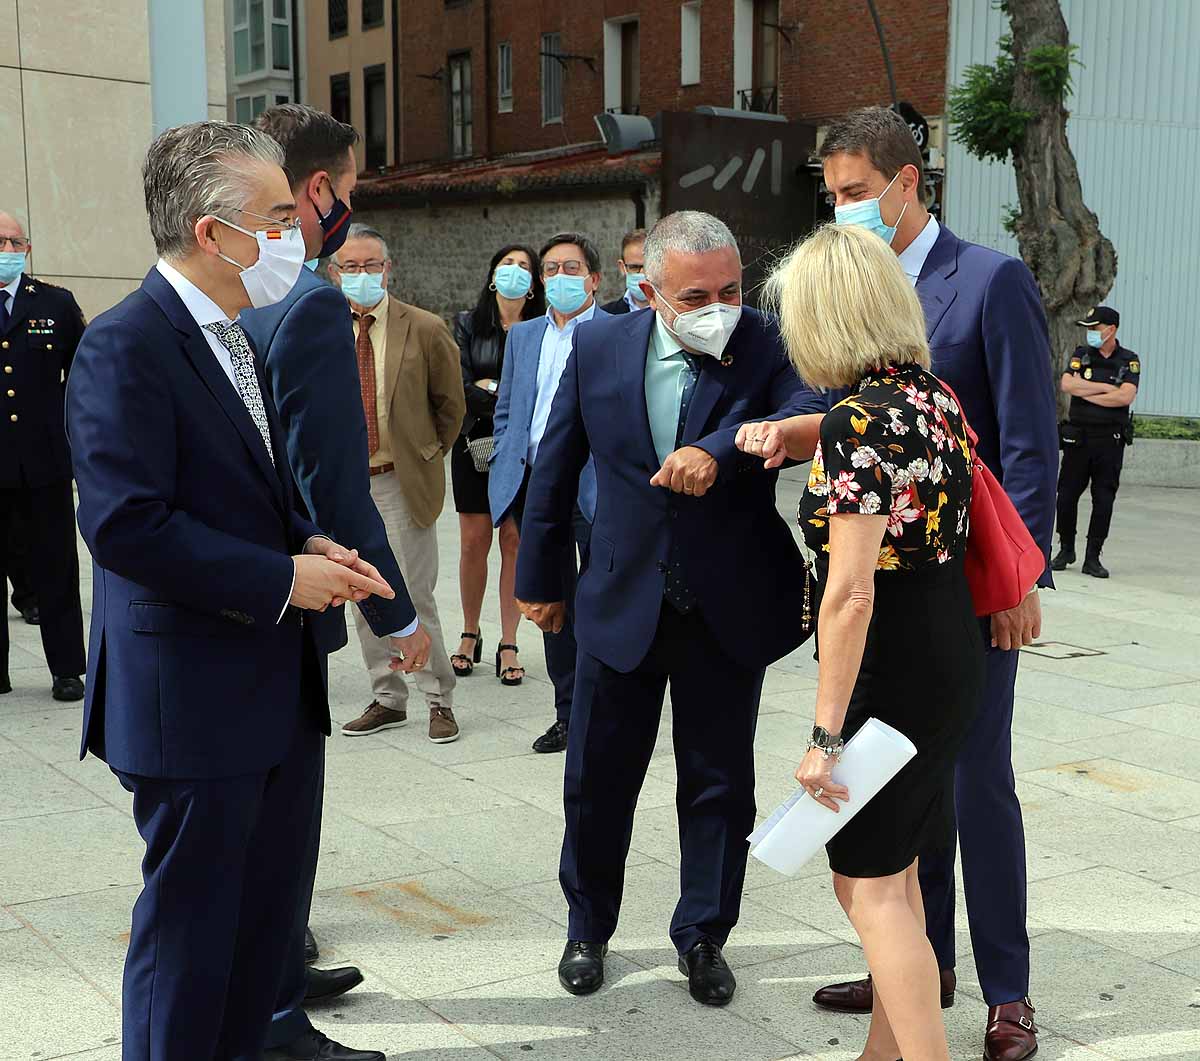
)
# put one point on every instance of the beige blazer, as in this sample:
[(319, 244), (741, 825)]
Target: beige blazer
[(426, 405)]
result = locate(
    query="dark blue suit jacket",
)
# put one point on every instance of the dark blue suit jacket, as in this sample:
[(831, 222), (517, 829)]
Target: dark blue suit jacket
[(306, 346), (191, 529), (35, 354), (988, 337), (739, 555)]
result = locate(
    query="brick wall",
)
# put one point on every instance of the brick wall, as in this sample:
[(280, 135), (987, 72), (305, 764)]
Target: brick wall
[(832, 64), (441, 253)]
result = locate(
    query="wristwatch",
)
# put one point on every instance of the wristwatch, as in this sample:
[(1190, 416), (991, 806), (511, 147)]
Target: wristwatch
[(828, 744)]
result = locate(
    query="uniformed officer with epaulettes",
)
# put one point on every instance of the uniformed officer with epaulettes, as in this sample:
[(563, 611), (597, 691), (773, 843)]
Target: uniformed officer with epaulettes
[(1102, 378), (40, 327)]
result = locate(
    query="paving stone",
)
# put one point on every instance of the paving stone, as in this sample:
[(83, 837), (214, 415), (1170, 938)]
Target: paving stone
[(1149, 793)]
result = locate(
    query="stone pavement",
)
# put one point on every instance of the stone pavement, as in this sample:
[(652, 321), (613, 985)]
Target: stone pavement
[(438, 863)]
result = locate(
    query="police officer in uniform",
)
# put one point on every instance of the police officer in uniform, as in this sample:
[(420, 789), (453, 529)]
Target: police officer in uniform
[(40, 326), (1102, 379)]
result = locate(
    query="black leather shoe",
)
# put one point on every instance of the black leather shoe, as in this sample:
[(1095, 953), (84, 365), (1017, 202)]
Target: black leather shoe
[(1063, 559), (5, 684), (31, 615), (67, 689), (553, 740), (710, 980), (329, 983), (311, 951), (581, 968), (314, 1046), (1092, 565)]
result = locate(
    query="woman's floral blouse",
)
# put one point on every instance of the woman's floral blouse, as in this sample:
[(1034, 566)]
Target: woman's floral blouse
[(896, 447)]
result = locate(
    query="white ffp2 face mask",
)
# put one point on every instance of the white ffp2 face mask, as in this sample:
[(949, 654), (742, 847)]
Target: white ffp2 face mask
[(280, 258), (707, 329)]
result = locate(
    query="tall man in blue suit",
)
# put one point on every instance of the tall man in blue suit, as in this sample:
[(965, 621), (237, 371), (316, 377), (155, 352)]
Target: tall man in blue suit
[(692, 579), (206, 684), (535, 356), (987, 333), (306, 347)]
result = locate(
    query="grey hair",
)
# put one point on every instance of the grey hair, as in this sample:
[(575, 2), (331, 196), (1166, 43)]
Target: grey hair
[(358, 230), (19, 218), (687, 232), (199, 169)]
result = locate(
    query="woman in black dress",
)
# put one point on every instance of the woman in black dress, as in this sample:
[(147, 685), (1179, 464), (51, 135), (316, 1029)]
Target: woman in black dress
[(885, 512), (512, 292)]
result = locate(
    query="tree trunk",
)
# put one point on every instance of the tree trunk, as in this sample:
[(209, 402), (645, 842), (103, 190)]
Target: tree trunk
[(1059, 237)]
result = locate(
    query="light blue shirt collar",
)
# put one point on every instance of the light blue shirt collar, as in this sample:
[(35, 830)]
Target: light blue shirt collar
[(586, 315), (666, 346), (912, 258)]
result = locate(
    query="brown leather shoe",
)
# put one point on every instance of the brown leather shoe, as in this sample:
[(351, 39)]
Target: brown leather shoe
[(375, 719), (1011, 1034), (442, 727), (858, 996)]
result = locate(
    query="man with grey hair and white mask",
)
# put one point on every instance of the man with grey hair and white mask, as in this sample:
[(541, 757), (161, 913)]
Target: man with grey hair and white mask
[(693, 579), (206, 686)]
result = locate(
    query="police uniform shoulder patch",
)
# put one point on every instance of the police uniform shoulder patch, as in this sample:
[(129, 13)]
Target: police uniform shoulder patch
[(1076, 364), (1135, 366)]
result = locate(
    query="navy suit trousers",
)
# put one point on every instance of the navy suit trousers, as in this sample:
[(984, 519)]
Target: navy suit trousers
[(991, 836), (224, 891), (714, 701)]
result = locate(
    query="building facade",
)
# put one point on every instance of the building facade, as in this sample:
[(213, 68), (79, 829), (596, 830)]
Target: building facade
[(265, 50), (76, 118), (1135, 110)]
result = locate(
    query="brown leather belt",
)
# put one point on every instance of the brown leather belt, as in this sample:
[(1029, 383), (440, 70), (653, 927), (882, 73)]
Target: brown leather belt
[(383, 469)]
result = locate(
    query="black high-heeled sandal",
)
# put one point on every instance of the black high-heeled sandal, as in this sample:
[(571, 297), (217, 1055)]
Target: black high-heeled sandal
[(465, 665), (506, 674)]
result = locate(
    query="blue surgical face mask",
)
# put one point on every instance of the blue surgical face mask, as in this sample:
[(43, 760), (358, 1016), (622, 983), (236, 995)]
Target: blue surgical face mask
[(633, 284), (1094, 339), (865, 214), (311, 264), (12, 265), (364, 289), (566, 293), (512, 281)]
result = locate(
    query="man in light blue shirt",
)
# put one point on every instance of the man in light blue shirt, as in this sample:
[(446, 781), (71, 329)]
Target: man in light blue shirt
[(536, 352)]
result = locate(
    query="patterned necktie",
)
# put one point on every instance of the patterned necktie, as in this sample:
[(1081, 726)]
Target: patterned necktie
[(366, 379), (675, 589), (246, 379)]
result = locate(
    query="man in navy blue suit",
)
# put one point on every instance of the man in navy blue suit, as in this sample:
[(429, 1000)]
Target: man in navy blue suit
[(206, 683), (692, 579), (306, 346), (988, 337)]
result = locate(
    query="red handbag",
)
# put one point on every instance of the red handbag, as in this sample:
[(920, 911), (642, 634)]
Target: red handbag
[(1003, 561)]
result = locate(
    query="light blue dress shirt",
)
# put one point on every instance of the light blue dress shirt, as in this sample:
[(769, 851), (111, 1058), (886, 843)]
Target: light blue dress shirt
[(912, 258), (665, 368), (556, 348)]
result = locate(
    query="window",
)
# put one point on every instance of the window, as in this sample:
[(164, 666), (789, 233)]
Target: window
[(241, 109), (689, 44), (552, 78), (504, 91), (765, 96), (281, 46), (281, 99), (241, 39), (459, 88), (339, 97), (339, 18), (622, 60), (372, 13), (257, 105), (375, 101), (258, 36)]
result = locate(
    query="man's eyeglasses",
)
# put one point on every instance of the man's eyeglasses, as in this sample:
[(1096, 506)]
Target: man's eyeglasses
[(574, 267), (354, 268), (17, 243)]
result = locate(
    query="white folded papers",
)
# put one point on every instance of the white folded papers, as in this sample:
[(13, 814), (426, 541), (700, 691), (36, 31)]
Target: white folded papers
[(800, 826)]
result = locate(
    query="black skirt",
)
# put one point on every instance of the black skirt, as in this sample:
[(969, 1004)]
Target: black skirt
[(470, 487), (922, 673)]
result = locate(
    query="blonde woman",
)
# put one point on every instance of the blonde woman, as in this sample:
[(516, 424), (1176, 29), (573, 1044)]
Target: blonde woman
[(885, 511)]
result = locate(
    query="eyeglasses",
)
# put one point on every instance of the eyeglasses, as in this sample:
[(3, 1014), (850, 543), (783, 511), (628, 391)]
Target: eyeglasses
[(574, 267), (18, 243), (291, 224), (354, 268)]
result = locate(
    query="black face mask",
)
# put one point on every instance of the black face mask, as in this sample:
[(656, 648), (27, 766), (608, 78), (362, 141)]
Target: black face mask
[(335, 225)]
